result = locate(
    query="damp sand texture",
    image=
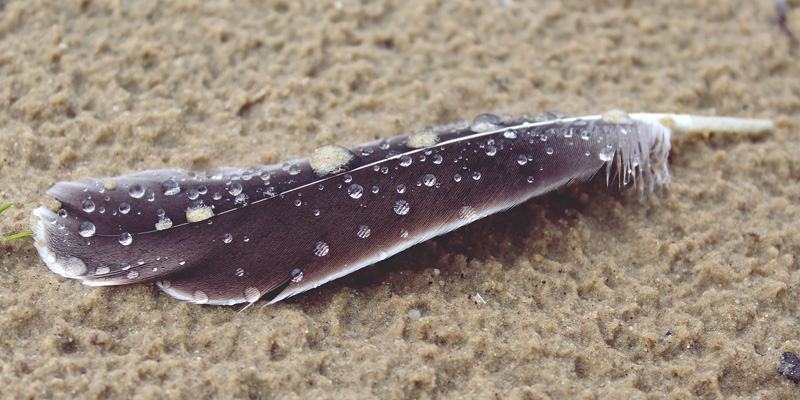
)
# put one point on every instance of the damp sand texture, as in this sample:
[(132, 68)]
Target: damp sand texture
[(589, 292)]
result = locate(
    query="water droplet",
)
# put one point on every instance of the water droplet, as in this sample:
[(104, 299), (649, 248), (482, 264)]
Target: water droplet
[(585, 134), (252, 294), (347, 178), (510, 134), (239, 272), (355, 191), (151, 196), (461, 124), (124, 208), (227, 238), (125, 238), (316, 213), (62, 213), (429, 180), (101, 210), (234, 188), (437, 159), (75, 267), (166, 283), (485, 123), (568, 133), (193, 194), (401, 207), (384, 170), (102, 270), (298, 203), (384, 144), (88, 206), (549, 151), (375, 189), (218, 196), (321, 249), (468, 213), (476, 175), (181, 261), (366, 151), (170, 187), (381, 255), (86, 229), (297, 275), (522, 159), (405, 160), (491, 151), (200, 297), (403, 233), (163, 223), (401, 189), (132, 275), (136, 191), (530, 179), (457, 177), (606, 154), (294, 169), (363, 231)]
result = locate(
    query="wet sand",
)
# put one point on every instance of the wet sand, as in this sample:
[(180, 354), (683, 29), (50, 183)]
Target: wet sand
[(589, 292)]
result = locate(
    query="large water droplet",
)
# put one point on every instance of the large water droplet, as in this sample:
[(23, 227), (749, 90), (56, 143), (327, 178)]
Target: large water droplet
[(485, 123), (429, 180), (200, 297), (87, 206), (347, 178), (125, 238), (75, 267), (401, 207), (522, 159), (234, 188), (136, 191), (363, 231), (606, 154), (405, 160), (491, 150), (193, 194), (321, 249), (170, 187), (437, 159), (124, 208), (252, 294), (355, 191), (86, 229), (476, 175), (384, 144), (457, 177), (163, 223), (227, 238), (401, 189)]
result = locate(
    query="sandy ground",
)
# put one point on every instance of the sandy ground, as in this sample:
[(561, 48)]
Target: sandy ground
[(590, 293)]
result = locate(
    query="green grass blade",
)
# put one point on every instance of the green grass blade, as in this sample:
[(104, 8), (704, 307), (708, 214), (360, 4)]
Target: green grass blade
[(5, 207), (19, 235)]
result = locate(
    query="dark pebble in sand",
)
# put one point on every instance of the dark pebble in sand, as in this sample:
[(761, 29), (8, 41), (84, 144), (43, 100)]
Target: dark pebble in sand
[(790, 366)]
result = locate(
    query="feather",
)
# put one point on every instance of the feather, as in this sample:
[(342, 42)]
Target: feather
[(237, 235)]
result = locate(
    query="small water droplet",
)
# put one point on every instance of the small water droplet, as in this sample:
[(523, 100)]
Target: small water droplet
[(401, 207), (294, 169), (200, 297), (193, 194), (321, 249), (585, 134), (468, 213), (401, 189), (437, 159), (136, 191), (568, 133), (549, 151), (522, 159), (355, 191), (530, 179), (62, 213), (316, 213), (384, 144), (124, 208), (102, 270), (166, 283), (239, 272), (132, 275), (429, 180), (125, 238), (297, 275), (347, 178), (375, 189), (366, 151), (510, 134), (384, 170), (170, 187), (88, 206), (405, 161), (457, 177), (298, 202), (476, 175), (403, 233), (151, 196), (363, 231), (381, 255), (491, 150), (606, 154), (86, 229), (75, 267), (227, 238), (218, 196)]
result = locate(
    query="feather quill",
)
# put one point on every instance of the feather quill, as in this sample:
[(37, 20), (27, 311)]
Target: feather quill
[(237, 235)]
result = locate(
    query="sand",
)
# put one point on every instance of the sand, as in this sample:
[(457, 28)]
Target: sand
[(589, 293)]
